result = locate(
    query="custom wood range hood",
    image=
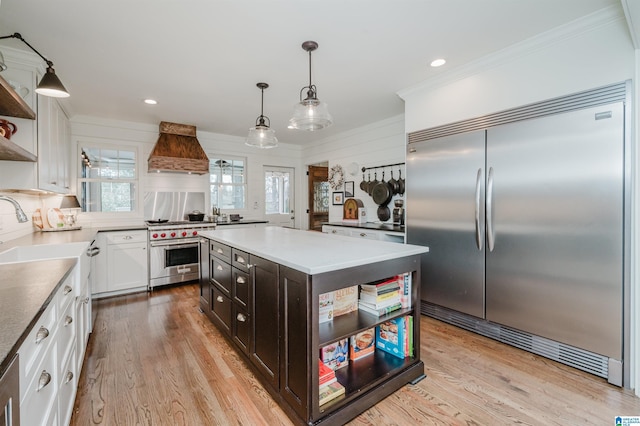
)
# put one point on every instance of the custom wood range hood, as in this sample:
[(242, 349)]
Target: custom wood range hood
[(178, 150)]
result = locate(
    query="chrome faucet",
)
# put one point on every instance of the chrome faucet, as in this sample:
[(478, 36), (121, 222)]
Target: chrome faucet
[(19, 212)]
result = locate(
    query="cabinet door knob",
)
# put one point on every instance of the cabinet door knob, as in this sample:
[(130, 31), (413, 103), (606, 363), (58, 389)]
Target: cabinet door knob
[(42, 334), (220, 299), (68, 377), (241, 280), (250, 266), (67, 320), (240, 259), (44, 380), (362, 234), (67, 289), (334, 232), (241, 317)]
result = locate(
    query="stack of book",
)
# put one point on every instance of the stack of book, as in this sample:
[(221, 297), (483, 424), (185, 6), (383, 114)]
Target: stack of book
[(329, 387), (396, 336), (382, 298)]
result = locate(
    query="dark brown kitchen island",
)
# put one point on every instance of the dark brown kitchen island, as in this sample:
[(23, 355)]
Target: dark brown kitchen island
[(261, 287)]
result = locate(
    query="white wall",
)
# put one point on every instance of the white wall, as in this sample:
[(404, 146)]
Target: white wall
[(143, 136), (586, 54), (369, 146)]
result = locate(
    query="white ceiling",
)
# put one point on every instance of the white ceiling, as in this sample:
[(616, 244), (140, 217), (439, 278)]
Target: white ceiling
[(201, 59)]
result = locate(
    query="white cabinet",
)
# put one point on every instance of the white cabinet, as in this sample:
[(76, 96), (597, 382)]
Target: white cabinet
[(368, 234), (54, 151), (48, 136), (124, 268), (48, 374)]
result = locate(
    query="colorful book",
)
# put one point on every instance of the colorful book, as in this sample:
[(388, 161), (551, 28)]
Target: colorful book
[(336, 355), (385, 284), (405, 289), (326, 375), (345, 300), (390, 337), (325, 312), (381, 311), (330, 392), (379, 292), (379, 299), (362, 344)]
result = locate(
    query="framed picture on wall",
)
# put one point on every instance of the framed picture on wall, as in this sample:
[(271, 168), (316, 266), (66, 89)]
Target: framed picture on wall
[(348, 189), (338, 198)]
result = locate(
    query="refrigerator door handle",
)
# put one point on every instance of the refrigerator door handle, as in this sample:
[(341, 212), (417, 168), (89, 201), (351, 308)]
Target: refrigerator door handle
[(491, 237), (478, 230)]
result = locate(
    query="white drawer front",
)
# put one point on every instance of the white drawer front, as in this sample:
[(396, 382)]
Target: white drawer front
[(66, 334), (66, 394), (126, 237), (39, 398)]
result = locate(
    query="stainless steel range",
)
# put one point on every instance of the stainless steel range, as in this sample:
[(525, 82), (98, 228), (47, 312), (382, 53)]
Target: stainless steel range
[(174, 251)]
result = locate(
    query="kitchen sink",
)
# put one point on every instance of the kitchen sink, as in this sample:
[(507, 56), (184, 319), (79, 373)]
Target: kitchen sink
[(42, 252)]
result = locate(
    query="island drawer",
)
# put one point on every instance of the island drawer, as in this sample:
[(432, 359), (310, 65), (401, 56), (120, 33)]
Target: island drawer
[(241, 287), (221, 275), (241, 328), (240, 259), (220, 251), (221, 309)]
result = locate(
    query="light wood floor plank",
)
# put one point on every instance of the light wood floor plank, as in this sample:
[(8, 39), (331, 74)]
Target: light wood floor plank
[(154, 359)]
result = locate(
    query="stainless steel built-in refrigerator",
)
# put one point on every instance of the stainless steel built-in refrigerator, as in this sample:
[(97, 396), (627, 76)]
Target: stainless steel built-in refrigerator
[(525, 227)]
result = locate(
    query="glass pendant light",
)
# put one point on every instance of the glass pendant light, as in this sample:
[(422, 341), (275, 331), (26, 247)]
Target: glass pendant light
[(310, 114), (261, 136)]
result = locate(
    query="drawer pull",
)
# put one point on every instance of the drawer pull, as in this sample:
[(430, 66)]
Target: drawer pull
[(67, 320), (241, 317), (362, 234), (241, 280), (45, 379), (219, 267), (249, 266), (219, 250), (68, 377), (42, 334), (67, 289), (240, 259), (334, 232), (127, 237), (220, 299), (86, 301)]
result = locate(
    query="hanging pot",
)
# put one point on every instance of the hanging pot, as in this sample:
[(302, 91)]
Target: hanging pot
[(393, 184), (363, 184), (384, 213), (382, 193), (400, 183), (373, 183)]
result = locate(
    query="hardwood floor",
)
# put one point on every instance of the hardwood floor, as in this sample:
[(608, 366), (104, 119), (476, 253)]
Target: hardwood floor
[(154, 359)]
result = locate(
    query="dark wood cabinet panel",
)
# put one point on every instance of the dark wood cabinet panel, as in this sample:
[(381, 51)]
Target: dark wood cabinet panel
[(241, 285), (265, 350), (295, 368)]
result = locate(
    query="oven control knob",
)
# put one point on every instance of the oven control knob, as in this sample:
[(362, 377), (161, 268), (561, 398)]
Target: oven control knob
[(154, 236), (173, 234), (184, 234), (163, 235), (195, 233)]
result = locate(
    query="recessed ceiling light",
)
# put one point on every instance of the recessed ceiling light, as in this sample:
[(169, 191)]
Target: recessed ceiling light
[(438, 62), (150, 102)]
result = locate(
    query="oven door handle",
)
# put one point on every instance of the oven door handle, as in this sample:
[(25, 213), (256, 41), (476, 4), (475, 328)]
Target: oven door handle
[(174, 243)]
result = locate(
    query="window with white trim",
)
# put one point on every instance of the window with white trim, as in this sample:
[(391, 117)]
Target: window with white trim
[(228, 183), (107, 179)]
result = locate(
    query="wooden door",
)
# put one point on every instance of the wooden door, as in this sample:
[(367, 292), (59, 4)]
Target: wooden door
[(318, 197)]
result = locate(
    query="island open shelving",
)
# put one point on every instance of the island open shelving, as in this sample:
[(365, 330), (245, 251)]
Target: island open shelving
[(297, 267)]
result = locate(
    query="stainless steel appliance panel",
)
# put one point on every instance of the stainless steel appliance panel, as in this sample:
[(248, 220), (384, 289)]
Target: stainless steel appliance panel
[(172, 262), (555, 227), (445, 211), (173, 206)]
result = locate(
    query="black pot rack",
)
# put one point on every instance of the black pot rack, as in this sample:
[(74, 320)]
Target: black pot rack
[(364, 169)]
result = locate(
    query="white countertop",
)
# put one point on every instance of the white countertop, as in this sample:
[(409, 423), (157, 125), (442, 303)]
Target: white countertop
[(311, 252)]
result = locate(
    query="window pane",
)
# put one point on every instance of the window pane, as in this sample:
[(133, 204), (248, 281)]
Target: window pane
[(276, 192), (227, 183), (108, 191)]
